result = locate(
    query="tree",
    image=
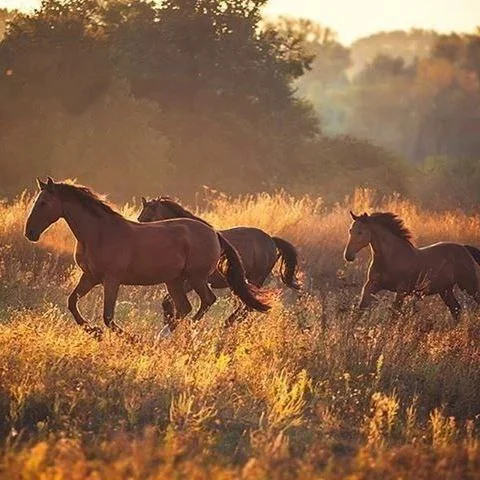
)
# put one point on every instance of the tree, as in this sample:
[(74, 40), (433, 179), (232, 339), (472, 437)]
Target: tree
[(58, 52), (384, 68), (451, 90), (222, 87), (328, 59), (5, 17)]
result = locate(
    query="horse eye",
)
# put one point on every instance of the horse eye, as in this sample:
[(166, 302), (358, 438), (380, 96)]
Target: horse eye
[(42, 204)]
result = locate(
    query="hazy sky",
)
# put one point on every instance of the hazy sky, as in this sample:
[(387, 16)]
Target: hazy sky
[(352, 19)]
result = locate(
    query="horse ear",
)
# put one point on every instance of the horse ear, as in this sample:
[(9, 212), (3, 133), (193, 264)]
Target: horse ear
[(144, 201), (354, 217), (41, 185), (365, 215), (49, 185)]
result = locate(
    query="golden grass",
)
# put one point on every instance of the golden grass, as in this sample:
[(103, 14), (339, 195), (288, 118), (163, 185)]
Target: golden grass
[(303, 392)]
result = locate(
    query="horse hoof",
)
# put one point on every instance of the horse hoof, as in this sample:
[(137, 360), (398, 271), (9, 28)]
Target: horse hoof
[(96, 332), (230, 322), (131, 338), (165, 332)]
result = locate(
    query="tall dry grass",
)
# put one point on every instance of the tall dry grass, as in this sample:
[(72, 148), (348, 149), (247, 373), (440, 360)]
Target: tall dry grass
[(303, 392)]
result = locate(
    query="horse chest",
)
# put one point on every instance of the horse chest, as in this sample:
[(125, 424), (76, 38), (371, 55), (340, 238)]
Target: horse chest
[(87, 262)]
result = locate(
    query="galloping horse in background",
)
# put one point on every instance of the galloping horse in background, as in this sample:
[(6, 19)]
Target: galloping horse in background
[(114, 251), (258, 250), (397, 265)]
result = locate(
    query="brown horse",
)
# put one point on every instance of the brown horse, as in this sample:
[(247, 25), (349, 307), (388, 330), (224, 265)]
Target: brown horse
[(397, 265), (114, 251), (258, 250)]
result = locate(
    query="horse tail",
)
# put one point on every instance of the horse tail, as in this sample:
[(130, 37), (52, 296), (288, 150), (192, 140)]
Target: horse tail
[(288, 267), (474, 252), (236, 279)]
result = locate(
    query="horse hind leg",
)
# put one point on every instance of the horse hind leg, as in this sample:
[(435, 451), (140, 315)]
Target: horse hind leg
[(242, 310), (237, 315), (476, 296), (168, 307), (467, 277), (451, 302), (207, 297)]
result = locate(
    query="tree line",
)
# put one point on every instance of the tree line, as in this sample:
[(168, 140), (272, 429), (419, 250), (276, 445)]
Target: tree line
[(145, 98), (415, 93)]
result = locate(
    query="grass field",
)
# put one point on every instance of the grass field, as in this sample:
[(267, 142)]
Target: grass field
[(303, 392)]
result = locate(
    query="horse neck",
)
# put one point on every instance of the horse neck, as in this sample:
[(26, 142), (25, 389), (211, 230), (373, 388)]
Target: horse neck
[(169, 214), (85, 226), (184, 214), (387, 247)]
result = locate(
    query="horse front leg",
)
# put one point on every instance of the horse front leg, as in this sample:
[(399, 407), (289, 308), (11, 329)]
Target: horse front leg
[(398, 303), (84, 285), (177, 290), (368, 292)]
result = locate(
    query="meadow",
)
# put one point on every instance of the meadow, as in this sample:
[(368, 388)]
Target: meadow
[(306, 391)]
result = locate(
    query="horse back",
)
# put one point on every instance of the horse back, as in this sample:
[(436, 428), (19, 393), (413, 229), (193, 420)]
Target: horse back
[(453, 260), (430, 269), (184, 233)]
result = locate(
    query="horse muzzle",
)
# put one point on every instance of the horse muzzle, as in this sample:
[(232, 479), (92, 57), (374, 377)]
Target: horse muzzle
[(32, 235)]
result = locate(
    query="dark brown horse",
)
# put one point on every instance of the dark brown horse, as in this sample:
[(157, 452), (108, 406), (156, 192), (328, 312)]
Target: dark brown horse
[(114, 251), (397, 265), (258, 250)]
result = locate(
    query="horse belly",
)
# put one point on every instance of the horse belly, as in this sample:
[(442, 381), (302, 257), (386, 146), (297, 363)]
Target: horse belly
[(153, 268), (401, 281), (438, 267), (435, 280), (256, 249)]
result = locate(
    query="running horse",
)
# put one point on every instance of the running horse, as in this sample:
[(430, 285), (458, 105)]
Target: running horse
[(114, 251), (399, 266), (258, 250)]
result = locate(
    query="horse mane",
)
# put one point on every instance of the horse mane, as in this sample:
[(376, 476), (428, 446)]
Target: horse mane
[(178, 210), (393, 223), (91, 200)]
